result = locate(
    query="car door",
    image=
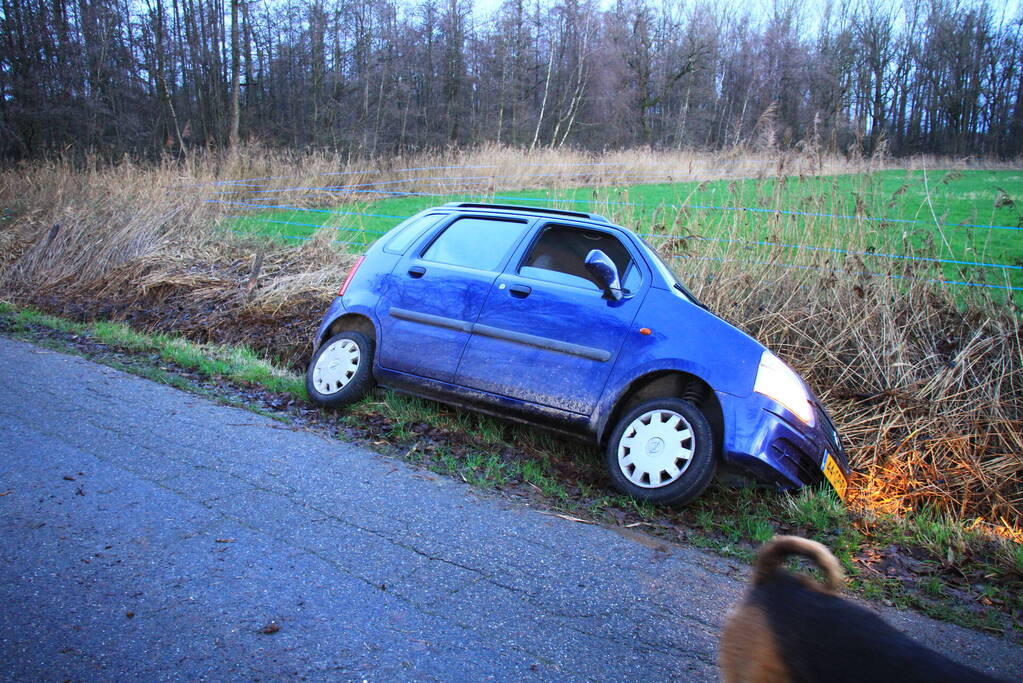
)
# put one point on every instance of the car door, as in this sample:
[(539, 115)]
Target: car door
[(547, 333), (435, 293)]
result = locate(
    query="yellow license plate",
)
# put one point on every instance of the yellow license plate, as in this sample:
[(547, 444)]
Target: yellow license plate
[(834, 475)]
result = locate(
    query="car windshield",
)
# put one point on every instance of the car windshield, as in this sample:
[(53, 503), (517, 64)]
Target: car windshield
[(668, 274)]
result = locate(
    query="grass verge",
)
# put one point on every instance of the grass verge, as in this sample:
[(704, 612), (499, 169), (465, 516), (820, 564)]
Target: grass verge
[(925, 560)]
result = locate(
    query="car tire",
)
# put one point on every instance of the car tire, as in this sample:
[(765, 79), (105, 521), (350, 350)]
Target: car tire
[(341, 371), (662, 451)]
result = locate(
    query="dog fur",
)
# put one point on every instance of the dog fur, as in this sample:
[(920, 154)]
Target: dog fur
[(792, 628)]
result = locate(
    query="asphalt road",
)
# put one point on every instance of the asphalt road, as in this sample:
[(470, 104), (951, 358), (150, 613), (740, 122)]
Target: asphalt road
[(146, 532)]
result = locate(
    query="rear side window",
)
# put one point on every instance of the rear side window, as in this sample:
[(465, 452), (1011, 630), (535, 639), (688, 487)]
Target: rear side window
[(479, 243), (408, 232)]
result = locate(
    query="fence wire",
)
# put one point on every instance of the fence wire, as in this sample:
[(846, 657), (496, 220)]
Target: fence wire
[(250, 187)]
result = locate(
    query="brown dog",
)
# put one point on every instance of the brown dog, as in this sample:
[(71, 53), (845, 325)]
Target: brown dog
[(791, 628)]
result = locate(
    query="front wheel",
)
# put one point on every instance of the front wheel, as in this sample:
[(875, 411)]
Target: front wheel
[(662, 451), (341, 371)]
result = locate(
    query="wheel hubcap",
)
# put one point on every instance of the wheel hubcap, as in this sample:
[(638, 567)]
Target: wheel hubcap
[(656, 448), (336, 366)]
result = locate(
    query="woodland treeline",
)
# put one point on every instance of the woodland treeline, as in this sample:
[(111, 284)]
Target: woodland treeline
[(370, 77)]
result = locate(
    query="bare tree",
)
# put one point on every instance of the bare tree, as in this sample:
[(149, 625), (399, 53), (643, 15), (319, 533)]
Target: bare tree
[(235, 76), (374, 76)]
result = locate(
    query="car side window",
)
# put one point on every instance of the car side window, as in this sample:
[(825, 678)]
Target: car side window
[(480, 243), (404, 234), (560, 256)]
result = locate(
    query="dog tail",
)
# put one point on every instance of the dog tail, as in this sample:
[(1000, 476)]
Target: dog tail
[(775, 551)]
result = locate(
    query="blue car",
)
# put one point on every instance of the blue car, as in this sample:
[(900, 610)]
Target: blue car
[(564, 320)]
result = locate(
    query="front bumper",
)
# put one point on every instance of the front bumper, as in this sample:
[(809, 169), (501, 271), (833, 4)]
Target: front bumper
[(764, 438)]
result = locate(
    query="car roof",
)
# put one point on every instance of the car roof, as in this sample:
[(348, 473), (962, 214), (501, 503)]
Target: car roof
[(530, 210)]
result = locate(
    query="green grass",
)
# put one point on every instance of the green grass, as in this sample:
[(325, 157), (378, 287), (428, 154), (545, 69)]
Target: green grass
[(234, 363), (1016, 561), (939, 201), (470, 447), (936, 532), (816, 509)]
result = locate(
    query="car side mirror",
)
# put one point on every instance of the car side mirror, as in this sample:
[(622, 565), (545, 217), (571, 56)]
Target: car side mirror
[(604, 270)]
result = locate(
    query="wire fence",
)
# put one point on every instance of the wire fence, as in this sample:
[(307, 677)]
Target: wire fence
[(371, 188), (256, 204), (455, 180), (376, 171)]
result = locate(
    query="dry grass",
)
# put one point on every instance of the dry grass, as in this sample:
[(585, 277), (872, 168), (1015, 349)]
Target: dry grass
[(927, 390), (929, 396)]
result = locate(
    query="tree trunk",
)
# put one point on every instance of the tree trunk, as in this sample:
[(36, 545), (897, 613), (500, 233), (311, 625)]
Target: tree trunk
[(543, 104), (232, 137)]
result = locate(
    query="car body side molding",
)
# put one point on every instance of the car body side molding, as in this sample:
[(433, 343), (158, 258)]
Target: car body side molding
[(586, 352), (430, 319)]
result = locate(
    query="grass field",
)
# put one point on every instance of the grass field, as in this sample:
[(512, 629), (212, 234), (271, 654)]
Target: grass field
[(877, 218)]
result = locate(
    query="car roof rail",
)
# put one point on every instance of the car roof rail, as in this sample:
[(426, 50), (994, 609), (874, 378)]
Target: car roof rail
[(528, 209)]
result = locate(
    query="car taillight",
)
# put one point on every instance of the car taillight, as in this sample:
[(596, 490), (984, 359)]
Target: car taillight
[(351, 274)]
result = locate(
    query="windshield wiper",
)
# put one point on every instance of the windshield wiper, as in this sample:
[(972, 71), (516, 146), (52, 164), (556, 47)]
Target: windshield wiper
[(691, 296)]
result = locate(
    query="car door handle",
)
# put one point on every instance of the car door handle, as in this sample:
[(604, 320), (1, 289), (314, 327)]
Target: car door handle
[(416, 271), (520, 291)]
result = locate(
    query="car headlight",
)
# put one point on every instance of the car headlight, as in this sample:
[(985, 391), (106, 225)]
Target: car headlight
[(779, 382)]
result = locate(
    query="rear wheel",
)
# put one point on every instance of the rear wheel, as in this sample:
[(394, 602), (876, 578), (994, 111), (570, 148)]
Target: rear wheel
[(341, 371), (662, 451)]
